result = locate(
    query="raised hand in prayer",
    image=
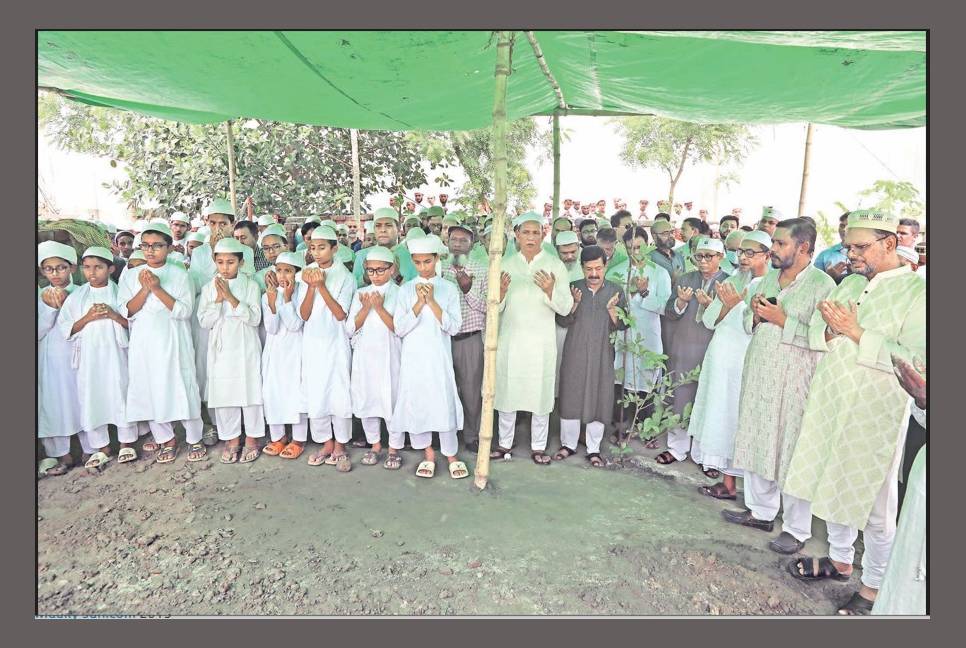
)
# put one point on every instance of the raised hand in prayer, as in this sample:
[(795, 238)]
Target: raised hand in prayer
[(728, 295), (54, 297), (271, 279), (221, 289), (577, 294), (288, 288), (463, 280), (504, 285), (429, 295), (912, 378), (642, 285), (612, 303), (149, 280), (703, 298), (545, 280), (684, 296), (375, 300), (841, 319)]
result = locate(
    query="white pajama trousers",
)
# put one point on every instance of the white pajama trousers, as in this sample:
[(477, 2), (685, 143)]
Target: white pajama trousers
[(763, 497), (539, 428), (371, 426), (56, 447), (678, 443), (100, 438), (228, 420), (570, 434), (448, 444), (164, 432), (323, 428), (300, 430), (721, 464)]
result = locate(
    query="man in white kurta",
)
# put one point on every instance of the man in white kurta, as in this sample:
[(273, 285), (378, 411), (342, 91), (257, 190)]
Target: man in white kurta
[(534, 288), (847, 458), (90, 321), (323, 298), (162, 383), (58, 403), (568, 251)]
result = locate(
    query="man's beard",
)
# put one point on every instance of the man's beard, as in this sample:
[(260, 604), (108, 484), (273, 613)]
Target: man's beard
[(592, 240), (867, 270), (782, 264), (661, 244)]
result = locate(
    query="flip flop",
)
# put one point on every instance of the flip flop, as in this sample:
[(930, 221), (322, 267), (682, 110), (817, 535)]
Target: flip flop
[(45, 466), (198, 447), (563, 453), (96, 463), (457, 466), (274, 448), (292, 451), (249, 454), (538, 458), (230, 454), (596, 460), (127, 454), (150, 447), (426, 467), (319, 458), (717, 491)]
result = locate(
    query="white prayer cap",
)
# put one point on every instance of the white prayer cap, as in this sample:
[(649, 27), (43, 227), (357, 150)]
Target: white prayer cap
[(423, 245), (340, 228), (160, 228), (908, 253), (313, 219), (136, 243), (710, 244), (137, 255), (219, 206), (415, 233), (735, 236), (230, 246), (567, 237), (324, 232), (138, 226), (104, 253), (329, 223), (49, 249), (386, 212), (440, 246), (344, 254), (273, 230), (195, 236), (248, 260), (412, 219), (266, 219), (757, 236), (111, 228), (369, 227), (292, 259), (873, 219), (527, 217), (197, 222), (155, 221), (380, 253), (771, 213), (180, 217)]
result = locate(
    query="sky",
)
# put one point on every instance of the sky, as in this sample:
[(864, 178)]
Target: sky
[(843, 163)]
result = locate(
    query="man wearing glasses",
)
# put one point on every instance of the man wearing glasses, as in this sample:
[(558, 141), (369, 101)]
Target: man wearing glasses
[(272, 242)]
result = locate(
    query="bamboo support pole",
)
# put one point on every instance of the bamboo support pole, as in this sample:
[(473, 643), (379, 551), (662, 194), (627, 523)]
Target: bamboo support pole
[(808, 155), (556, 166), (231, 170), (497, 240), (356, 182)]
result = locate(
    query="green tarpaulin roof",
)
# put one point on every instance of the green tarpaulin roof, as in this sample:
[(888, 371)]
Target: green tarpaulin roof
[(431, 80)]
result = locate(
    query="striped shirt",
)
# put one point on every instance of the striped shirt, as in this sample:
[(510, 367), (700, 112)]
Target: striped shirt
[(472, 303)]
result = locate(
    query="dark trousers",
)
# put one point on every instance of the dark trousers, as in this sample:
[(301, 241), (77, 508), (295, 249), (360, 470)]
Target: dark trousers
[(915, 439), (468, 367)]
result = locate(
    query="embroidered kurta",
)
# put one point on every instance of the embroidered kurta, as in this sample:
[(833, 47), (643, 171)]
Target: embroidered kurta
[(162, 382), (714, 418), (778, 370), (526, 356), (689, 337), (587, 369), (856, 408), (375, 356), (58, 403), (427, 399), (645, 331), (202, 270), (282, 399), (326, 354), (100, 357), (234, 349)]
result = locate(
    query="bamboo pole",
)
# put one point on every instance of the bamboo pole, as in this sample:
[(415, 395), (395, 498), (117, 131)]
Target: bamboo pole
[(356, 181), (497, 240), (556, 166), (231, 170), (808, 155)]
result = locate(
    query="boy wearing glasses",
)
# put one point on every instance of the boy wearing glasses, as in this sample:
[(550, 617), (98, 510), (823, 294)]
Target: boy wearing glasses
[(162, 380), (58, 404)]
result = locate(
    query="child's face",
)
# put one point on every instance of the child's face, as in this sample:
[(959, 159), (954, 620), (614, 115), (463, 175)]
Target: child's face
[(272, 246), (191, 245), (96, 270), (57, 271), (285, 272), (322, 251), (425, 265), (379, 272), (155, 249), (228, 265)]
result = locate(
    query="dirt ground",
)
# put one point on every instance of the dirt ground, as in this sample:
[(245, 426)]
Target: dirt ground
[(279, 537)]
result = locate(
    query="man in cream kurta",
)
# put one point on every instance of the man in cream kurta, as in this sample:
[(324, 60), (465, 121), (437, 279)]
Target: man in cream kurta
[(847, 457), (533, 289)]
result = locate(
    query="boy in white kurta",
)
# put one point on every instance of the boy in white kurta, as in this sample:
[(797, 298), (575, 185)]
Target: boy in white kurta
[(282, 359), (90, 321), (58, 405), (162, 384), (427, 315), (230, 309), (323, 296), (375, 354)]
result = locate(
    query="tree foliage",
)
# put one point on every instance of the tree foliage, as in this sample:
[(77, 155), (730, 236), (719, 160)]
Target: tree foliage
[(671, 145), (292, 169), (897, 197)]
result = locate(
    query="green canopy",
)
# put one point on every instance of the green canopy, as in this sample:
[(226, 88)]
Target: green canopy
[(432, 80)]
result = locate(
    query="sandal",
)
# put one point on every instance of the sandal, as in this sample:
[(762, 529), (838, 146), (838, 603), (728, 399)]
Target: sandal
[(816, 569), (197, 452), (343, 464), (319, 458), (229, 454), (127, 454), (563, 453), (456, 467), (500, 452), (717, 491), (665, 458), (371, 458), (150, 446), (393, 462), (293, 450), (167, 454), (210, 436), (857, 606), (711, 473), (96, 463), (595, 460), (45, 466), (60, 468), (250, 454), (274, 448), (540, 458), (426, 469)]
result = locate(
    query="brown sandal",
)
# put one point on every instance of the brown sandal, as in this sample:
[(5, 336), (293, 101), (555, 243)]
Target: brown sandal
[(665, 458), (717, 491)]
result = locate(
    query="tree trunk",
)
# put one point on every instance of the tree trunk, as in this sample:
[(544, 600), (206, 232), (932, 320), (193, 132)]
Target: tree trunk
[(556, 166), (677, 176), (808, 155), (231, 170), (497, 239), (356, 181)]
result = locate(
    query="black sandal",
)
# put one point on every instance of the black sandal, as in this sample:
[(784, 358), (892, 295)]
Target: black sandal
[(816, 569), (563, 453), (499, 452), (665, 458), (711, 473), (538, 458), (595, 460), (857, 606), (717, 491)]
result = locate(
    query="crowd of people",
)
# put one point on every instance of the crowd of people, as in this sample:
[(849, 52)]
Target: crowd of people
[(321, 329)]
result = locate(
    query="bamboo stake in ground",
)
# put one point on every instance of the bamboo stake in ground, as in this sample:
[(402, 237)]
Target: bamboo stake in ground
[(808, 155), (556, 166), (497, 239), (356, 181), (231, 170)]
